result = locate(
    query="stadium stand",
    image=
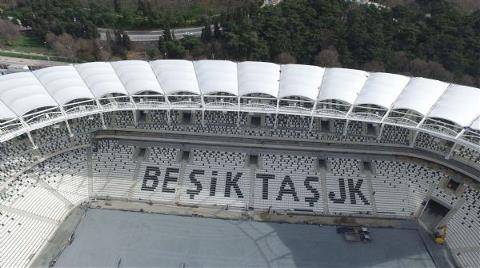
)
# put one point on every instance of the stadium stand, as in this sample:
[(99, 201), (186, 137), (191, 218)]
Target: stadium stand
[(52, 161)]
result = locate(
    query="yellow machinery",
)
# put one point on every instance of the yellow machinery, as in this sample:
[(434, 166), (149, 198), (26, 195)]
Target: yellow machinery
[(440, 234)]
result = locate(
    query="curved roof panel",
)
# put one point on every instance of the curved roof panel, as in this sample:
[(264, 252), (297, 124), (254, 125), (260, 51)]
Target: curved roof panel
[(300, 80), (217, 76), (101, 78), (459, 104), (63, 83), (5, 112), (137, 76), (476, 124), (22, 92), (342, 84), (382, 89), (258, 77), (420, 95), (176, 76)]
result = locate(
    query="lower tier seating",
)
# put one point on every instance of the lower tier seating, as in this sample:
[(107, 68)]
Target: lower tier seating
[(35, 202)]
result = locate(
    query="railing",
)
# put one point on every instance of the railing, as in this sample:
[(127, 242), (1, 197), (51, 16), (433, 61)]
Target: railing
[(375, 118), (53, 116), (221, 105), (186, 104), (152, 105), (114, 106), (82, 111), (440, 129), (260, 107), (295, 109), (10, 127), (328, 112), (43, 117), (402, 121)]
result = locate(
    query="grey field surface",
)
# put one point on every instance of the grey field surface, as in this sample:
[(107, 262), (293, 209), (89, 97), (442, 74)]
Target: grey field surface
[(108, 238)]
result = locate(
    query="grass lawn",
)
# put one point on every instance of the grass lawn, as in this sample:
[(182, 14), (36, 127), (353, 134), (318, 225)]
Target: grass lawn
[(29, 43)]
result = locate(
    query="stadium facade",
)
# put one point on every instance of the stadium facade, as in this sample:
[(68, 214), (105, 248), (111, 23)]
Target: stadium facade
[(73, 117)]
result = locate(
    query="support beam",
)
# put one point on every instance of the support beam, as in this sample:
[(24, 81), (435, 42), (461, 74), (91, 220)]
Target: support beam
[(134, 112), (169, 119), (345, 129), (203, 109), (25, 125), (238, 111), (70, 133), (382, 124), (312, 116), (415, 135), (135, 120), (100, 107), (104, 126), (348, 120), (31, 140), (454, 146), (276, 114), (379, 137)]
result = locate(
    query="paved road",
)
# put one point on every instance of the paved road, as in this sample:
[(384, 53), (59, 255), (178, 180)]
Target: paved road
[(153, 35)]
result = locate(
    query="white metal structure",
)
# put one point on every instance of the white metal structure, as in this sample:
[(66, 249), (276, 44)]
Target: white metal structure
[(32, 100)]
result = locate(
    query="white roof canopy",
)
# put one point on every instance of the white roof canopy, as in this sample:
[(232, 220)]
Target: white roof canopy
[(5, 112), (300, 80), (22, 92), (382, 89), (476, 124), (101, 78), (420, 95), (63, 83), (342, 84), (176, 76), (459, 104), (217, 76), (137, 76), (258, 78)]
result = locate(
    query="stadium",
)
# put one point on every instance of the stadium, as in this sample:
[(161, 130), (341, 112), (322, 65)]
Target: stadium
[(239, 148)]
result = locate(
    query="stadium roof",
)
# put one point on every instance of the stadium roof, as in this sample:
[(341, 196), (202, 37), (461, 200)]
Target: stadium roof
[(5, 112), (258, 78), (101, 79), (217, 77), (476, 124), (176, 76), (382, 89), (21, 93), (459, 104), (420, 95), (64, 84), (300, 80), (342, 84), (137, 76)]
